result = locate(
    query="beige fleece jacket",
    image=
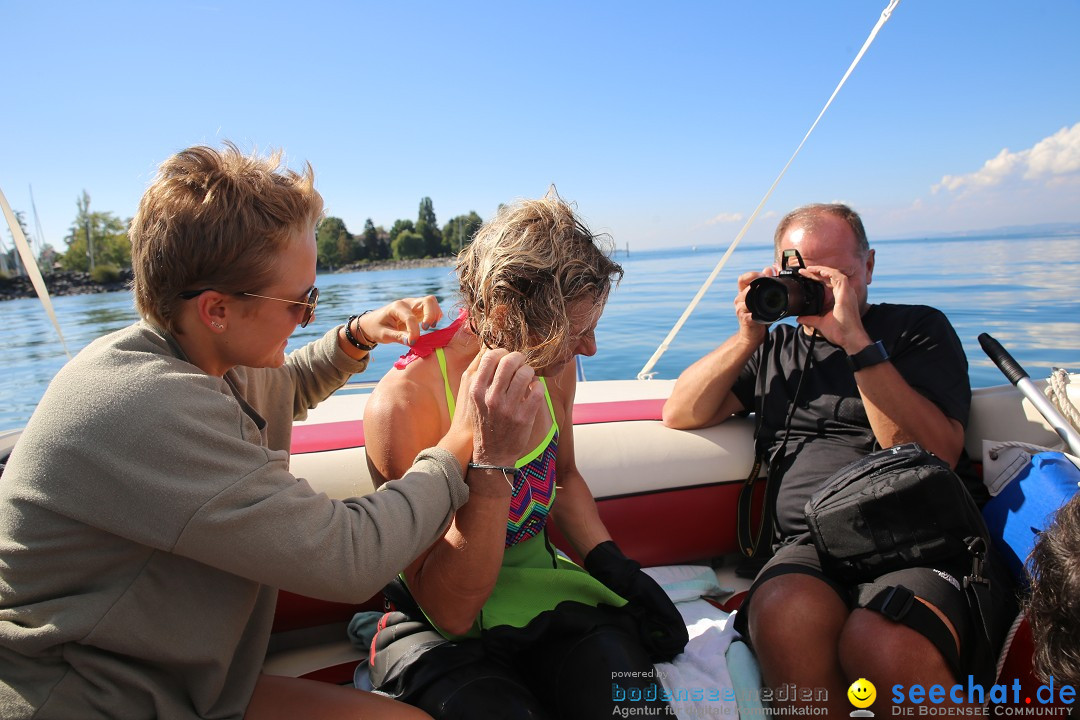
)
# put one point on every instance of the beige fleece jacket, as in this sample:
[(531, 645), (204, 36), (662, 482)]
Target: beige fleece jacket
[(148, 516)]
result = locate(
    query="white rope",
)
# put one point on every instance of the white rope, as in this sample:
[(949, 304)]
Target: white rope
[(32, 270), (1056, 390), (1007, 645), (995, 450), (646, 372)]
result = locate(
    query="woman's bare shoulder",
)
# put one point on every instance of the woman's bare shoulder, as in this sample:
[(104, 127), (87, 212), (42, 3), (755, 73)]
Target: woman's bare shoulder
[(403, 414)]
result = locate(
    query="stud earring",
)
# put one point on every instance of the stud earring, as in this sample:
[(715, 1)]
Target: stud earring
[(216, 325)]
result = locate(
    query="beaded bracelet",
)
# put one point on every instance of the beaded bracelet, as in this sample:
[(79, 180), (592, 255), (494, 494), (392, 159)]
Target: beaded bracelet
[(502, 468), (352, 338)]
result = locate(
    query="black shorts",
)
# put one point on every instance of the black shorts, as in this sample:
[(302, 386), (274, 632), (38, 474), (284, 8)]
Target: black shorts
[(891, 595)]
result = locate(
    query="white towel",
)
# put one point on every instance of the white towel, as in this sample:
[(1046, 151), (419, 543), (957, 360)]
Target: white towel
[(697, 680)]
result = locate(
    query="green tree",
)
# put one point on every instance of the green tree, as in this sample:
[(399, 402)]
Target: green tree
[(426, 213), (108, 239), (368, 241), (408, 244), (377, 242), (334, 243), (374, 242), (399, 227), (459, 232), (428, 228)]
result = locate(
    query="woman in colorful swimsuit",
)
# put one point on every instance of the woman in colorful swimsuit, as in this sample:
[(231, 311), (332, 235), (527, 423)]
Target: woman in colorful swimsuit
[(493, 621)]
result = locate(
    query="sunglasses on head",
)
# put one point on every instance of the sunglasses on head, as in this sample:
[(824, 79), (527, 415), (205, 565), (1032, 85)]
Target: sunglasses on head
[(309, 304)]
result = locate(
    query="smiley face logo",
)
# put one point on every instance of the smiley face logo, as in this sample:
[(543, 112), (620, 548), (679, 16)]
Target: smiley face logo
[(862, 693)]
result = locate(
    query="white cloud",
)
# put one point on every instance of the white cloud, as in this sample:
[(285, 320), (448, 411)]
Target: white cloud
[(1053, 161), (725, 218)]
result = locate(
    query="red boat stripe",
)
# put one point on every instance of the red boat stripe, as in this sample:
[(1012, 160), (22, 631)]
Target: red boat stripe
[(618, 410), (346, 434), (321, 437)]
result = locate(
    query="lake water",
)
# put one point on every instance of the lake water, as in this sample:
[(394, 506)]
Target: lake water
[(1022, 290)]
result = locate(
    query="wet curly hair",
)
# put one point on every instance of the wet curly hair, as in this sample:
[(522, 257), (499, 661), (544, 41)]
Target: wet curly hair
[(1053, 606), (522, 271)]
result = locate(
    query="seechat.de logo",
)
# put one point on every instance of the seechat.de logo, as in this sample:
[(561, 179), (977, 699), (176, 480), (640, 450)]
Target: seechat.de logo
[(1003, 699)]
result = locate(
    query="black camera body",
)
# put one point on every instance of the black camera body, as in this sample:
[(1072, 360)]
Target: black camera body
[(787, 294)]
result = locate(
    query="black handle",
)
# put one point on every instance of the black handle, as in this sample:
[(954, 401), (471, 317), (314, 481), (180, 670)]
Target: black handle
[(1002, 359)]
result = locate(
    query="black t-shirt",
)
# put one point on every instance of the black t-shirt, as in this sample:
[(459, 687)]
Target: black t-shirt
[(829, 428)]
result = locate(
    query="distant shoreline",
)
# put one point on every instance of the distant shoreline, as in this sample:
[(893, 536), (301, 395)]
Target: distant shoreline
[(394, 264), (62, 282), (79, 283)]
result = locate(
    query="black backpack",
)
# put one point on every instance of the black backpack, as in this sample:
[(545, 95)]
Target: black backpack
[(892, 509), (903, 507)]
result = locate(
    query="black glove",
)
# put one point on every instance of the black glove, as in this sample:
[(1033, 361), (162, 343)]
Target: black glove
[(661, 627)]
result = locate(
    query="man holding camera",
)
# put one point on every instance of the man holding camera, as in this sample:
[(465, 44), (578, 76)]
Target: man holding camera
[(849, 379)]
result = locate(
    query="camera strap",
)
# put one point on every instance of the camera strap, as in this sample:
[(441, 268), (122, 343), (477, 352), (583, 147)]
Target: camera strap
[(755, 544)]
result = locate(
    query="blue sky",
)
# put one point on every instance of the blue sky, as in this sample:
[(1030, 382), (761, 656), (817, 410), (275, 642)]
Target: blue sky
[(665, 122)]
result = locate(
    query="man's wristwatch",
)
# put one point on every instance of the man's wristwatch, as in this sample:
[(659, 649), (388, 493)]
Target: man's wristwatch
[(867, 357)]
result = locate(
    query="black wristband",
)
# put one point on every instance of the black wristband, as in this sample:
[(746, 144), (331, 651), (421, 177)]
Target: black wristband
[(352, 338), (867, 357)]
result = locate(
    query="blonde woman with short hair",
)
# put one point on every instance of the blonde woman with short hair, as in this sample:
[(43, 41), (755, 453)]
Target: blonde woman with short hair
[(147, 513)]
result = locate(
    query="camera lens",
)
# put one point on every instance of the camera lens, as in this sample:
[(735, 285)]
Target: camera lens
[(770, 301), (772, 298)]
